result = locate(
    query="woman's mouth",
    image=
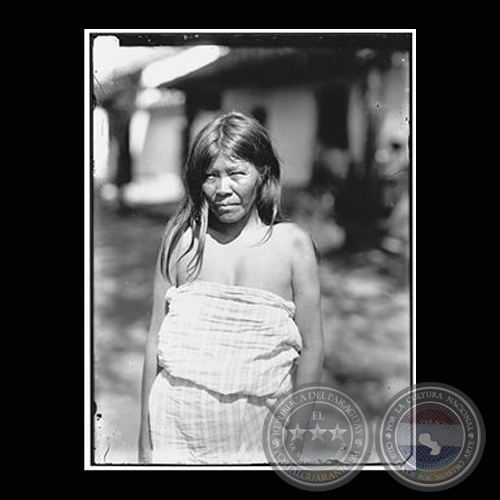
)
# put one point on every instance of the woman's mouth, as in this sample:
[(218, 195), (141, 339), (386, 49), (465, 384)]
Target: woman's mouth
[(225, 205)]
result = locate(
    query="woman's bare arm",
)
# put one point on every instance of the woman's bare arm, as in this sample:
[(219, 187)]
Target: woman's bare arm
[(307, 298), (150, 367)]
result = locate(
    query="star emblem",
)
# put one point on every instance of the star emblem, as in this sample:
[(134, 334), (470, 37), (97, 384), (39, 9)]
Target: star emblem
[(297, 433), (337, 433), (317, 433)]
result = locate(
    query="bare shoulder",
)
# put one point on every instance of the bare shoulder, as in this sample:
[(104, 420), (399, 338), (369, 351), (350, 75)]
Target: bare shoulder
[(304, 260), (181, 253), (296, 238)]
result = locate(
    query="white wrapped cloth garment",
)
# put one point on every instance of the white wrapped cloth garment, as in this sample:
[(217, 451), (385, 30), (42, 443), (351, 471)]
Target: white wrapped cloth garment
[(227, 353)]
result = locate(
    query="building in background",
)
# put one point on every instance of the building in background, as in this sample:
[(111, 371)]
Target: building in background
[(338, 114)]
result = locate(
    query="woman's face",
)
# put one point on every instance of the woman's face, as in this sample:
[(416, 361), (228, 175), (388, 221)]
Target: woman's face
[(230, 188)]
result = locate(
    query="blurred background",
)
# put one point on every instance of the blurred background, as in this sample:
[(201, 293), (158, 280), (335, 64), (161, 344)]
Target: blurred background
[(337, 107)]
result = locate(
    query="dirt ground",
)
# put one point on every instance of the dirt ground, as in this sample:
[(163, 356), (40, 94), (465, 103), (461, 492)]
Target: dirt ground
[(366, 319)]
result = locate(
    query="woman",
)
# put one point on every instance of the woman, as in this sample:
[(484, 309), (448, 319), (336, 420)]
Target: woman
[(236, 312)]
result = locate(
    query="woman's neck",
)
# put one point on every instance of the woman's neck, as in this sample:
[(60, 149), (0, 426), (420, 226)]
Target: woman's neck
[(228, 232)]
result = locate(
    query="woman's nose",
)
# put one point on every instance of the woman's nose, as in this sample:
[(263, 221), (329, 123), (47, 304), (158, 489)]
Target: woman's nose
[(223, 186)]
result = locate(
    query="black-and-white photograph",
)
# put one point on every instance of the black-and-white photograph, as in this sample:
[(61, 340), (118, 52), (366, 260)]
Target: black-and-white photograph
[(250, 213)]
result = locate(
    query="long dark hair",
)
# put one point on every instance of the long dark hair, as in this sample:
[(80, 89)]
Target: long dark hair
[(232, 136)]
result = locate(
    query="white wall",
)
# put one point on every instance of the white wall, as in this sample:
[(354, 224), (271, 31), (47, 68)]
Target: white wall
[(291, 121), (161, 150), (156, 147), (388, 98), (101, 145), (396, 101)]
